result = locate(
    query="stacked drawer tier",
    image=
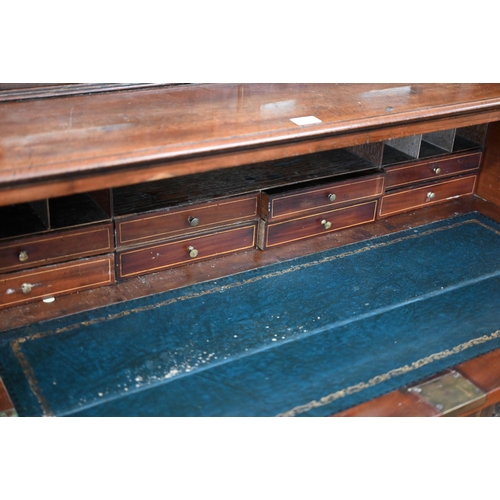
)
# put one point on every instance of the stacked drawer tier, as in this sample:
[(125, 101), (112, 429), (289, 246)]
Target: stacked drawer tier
[(56, 263), (311, 211), (424, 183), (172, 237)]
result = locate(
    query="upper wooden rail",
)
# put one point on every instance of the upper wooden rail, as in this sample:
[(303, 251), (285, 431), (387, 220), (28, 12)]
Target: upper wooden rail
[(64, 145)]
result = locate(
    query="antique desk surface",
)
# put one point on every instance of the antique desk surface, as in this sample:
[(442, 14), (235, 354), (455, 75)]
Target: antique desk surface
[(71, 144)]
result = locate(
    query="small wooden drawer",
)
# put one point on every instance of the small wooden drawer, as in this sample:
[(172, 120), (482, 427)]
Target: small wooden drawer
[(314, 225), (158, 257), (51, 281), (35, 251), (171, 223), (430, 194), (398, 176), (335, 194)]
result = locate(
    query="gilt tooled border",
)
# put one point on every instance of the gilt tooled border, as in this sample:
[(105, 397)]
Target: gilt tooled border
[(378, 379), (16, 344)]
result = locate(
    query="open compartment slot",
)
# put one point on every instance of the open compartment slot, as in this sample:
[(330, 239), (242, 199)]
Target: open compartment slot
[(234, 181), (470, 137), (76, 210), (437, 143), (24, 219), (373, 152), (401, 150)]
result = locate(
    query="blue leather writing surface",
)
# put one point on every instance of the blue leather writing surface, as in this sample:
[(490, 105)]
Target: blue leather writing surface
[(306, 337)]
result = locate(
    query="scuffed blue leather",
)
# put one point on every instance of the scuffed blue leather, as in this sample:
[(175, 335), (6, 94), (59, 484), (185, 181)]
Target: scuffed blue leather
[(295, 338)]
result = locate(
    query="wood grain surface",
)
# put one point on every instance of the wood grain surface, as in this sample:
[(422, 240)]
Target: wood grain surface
[(55, 147)]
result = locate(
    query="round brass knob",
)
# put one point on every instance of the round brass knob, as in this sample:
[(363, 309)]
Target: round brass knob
[(23, 256), (26, 288), (193, 221), (431, 195), (332, 196), (192, 252), (326, 224), (436, 170)]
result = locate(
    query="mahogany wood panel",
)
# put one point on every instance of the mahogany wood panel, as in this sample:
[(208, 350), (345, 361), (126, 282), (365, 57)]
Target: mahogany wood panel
[(51, 281), (55, 247), (402, 175), (484, 372), (488, 184), (6, 406), (312, 225), (296, 202), (410, 199), (174, 222), (158, 257), (54, 147)]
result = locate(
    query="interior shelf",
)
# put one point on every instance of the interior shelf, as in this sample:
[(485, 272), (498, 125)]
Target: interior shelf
[(240, 180)]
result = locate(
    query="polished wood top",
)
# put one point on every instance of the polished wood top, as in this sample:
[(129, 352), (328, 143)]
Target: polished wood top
[(57, 146)]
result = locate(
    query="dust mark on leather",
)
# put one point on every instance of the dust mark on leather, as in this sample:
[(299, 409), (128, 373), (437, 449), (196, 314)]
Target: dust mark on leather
[(378, 379)]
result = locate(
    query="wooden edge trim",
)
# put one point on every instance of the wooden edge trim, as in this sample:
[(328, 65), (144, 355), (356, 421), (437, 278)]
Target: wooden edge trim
[(6, 406), (118, 170), (483, 371)]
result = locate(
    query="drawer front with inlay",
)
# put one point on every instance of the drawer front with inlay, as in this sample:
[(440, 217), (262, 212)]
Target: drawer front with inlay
[(50, 248), (176, 222), (318, 224), (158, 257), (329, 195), (410, 199), (415, 172), (50, 281)]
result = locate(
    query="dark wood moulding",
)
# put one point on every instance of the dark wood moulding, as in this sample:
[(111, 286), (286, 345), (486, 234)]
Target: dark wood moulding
[(57, 147)]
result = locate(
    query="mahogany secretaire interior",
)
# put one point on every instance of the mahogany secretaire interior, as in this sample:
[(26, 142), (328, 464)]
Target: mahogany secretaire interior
[(249, 249)]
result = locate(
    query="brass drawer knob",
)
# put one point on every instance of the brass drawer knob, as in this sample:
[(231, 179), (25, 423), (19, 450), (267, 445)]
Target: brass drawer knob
[(431, 195), (193, 221), (192, 252), (23, 256), (326, 224), (332, 196), (26, 288), (436, 170)]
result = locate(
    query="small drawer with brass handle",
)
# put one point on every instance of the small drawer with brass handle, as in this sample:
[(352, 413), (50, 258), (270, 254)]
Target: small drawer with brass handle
[(173, 223), (51, 281), (403, 200), (133, 262), (278, 233), (426, 170), (298, 202), (55, 246)]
